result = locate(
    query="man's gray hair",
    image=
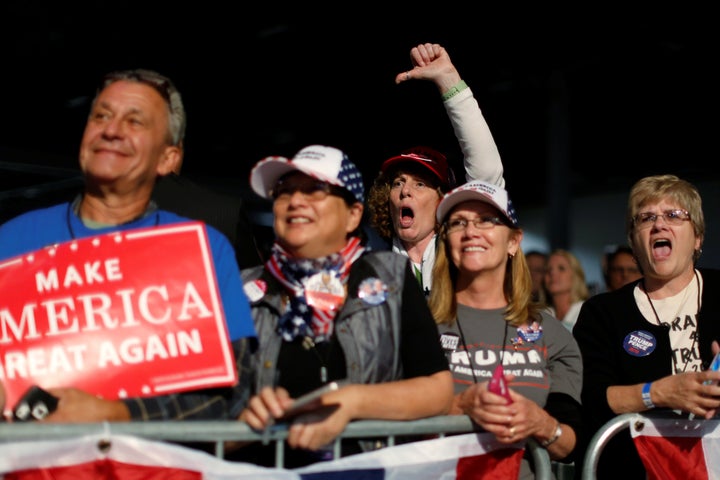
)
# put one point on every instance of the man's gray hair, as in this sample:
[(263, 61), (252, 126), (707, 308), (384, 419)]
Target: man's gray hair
[(165, 87)]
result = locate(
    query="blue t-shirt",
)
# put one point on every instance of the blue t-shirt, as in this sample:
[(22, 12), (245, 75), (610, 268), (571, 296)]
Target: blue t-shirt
[(43, 227)]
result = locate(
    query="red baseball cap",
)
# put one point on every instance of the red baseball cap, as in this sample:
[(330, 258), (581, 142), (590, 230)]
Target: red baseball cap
[(429, 158)]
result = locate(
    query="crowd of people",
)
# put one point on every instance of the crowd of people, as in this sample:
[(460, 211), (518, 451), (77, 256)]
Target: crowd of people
[(413, 328)]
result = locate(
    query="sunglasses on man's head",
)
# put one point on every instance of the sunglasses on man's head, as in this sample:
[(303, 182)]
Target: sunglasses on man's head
[(161, 85)]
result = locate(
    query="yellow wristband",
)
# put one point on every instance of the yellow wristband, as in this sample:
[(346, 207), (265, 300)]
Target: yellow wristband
[(454, 90)]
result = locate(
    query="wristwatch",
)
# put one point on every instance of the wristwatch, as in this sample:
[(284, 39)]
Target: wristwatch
[(553, 439)]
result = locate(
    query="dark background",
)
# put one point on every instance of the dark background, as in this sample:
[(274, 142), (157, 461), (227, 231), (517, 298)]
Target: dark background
[(579, 102)]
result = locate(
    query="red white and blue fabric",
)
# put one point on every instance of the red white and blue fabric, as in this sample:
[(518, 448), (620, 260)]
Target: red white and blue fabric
[(121, 457), (672, 448), (300, 319)]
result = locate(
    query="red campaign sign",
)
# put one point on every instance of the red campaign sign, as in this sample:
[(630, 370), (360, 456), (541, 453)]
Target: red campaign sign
[(126, 314)]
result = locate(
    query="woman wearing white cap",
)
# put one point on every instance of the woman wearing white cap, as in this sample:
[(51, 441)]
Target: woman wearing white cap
[(404, 196), (325, 309), (481, 299)]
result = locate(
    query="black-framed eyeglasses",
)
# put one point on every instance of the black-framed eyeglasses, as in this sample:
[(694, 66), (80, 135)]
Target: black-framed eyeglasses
[(645, 220), (313, 189), (481, 223)]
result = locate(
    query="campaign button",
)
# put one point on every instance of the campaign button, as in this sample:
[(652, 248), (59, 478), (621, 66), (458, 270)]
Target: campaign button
[(449, 341), (255, 290), (372, 291), (639, 343)]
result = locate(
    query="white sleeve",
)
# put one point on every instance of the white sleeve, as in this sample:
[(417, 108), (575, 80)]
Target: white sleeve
[(480, 154)]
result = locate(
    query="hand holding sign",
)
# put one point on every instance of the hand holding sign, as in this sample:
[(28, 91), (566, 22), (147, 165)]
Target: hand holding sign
[(118, 315)]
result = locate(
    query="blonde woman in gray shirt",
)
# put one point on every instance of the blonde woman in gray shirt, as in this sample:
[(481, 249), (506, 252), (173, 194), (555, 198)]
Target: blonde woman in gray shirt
[(481, 300)]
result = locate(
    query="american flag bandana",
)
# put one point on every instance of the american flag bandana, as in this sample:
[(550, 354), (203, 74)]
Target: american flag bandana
[(301, 320)]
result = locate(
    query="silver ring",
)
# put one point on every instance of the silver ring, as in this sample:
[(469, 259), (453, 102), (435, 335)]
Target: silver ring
[(512, 431), (407, 75)]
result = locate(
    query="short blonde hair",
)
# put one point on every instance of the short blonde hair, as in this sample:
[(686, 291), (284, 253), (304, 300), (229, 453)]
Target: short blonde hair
[(658, 187)]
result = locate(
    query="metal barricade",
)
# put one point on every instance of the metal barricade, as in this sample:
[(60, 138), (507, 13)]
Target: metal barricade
[(600, 439), (616, 425), (218, 432)]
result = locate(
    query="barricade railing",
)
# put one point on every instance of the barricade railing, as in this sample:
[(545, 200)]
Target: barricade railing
[(616, 425), (216, 433), (600, 439)]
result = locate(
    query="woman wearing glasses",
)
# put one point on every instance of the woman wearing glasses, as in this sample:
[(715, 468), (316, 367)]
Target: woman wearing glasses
[(482, 301), (325, 310), (649, 343)]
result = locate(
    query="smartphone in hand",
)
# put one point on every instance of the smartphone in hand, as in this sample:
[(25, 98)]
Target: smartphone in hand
[(714, 366), (310, 401), (498, 385)]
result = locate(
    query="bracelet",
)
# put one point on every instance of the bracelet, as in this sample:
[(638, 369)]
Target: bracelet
[(554, 438), (454, 90), (646, 396)]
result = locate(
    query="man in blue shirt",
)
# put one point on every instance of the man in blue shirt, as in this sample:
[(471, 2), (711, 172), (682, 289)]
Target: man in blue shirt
[(134, 134)]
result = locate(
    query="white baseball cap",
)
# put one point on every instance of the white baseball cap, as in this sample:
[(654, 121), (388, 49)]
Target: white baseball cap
[(327, 164), (482, 191)]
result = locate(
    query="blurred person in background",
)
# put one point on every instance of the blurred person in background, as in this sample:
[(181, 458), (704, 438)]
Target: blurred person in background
[(564, 286), (537, 263), (621, 268)]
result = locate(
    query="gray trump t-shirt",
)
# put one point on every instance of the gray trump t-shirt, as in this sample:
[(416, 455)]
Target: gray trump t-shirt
[(543, 356)]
